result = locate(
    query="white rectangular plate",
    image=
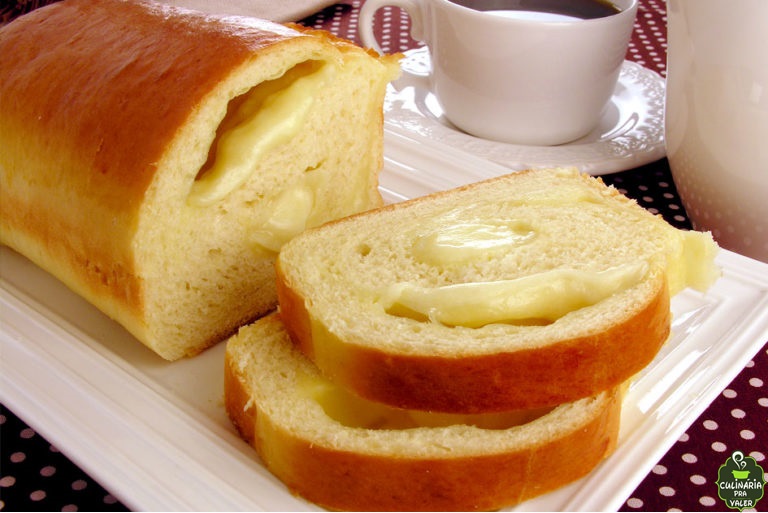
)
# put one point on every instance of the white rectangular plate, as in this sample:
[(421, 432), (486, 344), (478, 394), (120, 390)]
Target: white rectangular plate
[(156, 434)]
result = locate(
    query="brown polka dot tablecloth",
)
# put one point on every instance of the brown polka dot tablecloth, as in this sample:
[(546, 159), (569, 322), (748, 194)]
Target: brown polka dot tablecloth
[(35, 476)]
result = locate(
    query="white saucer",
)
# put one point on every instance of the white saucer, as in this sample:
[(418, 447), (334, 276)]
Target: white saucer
[(630, 134)]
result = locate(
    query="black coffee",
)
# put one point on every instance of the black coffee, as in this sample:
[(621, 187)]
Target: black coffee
[(551, 9)]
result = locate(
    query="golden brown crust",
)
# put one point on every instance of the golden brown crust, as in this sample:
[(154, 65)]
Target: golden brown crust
[(562, 372), (345, 480), (237, 400)]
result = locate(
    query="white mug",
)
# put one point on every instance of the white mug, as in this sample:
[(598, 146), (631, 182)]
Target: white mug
[(511, 79), (716, 122)]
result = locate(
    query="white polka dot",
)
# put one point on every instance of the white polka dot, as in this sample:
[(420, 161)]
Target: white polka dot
[(79, 485), (684, 437), (763, 401), (47, 471), (667, 491), (698, 480), (660, 470), (27, 433), (69, 507), (746, 434), (711, 425), (759, 456), (729, 393), (706, 501), (756, 382), (738, 413), (719, 447), (689, 458), (37, 495), (634, 502), (7, 481), (18, 457)]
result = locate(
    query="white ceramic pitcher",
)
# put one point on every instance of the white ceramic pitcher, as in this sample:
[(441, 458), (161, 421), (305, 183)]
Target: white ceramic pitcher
[(717, 118)]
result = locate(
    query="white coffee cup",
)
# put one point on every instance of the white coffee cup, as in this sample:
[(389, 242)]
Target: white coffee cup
[(523, 81), (716, 122)]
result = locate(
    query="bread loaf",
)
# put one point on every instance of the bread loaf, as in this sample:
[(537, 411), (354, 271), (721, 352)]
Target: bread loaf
[(525, 291), (343, 452), (155, 159)]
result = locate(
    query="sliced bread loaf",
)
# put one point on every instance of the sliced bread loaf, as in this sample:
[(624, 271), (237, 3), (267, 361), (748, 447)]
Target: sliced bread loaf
[(155, 159), (344, 452), (529, 290)]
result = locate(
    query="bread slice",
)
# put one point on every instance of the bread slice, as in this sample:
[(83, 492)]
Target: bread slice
[(343, 452), (529, 290), (155, 159)]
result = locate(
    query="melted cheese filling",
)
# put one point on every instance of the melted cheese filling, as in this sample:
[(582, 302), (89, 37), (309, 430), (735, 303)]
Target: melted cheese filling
[(291, 214), (541, 298), (470, 241), (265, 118), (693, 265), (535, 299), (354, 411)]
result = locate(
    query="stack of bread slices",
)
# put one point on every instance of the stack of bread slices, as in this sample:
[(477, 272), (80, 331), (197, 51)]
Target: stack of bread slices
[(466, 350)]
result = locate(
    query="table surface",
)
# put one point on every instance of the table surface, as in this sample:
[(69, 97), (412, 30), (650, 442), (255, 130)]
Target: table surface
[(35, 476)]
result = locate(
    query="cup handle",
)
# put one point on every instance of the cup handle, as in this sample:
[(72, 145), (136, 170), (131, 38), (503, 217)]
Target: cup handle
[(370, 7)]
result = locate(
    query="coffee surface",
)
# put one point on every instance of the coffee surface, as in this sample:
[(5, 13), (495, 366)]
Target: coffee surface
[(544, 10)]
